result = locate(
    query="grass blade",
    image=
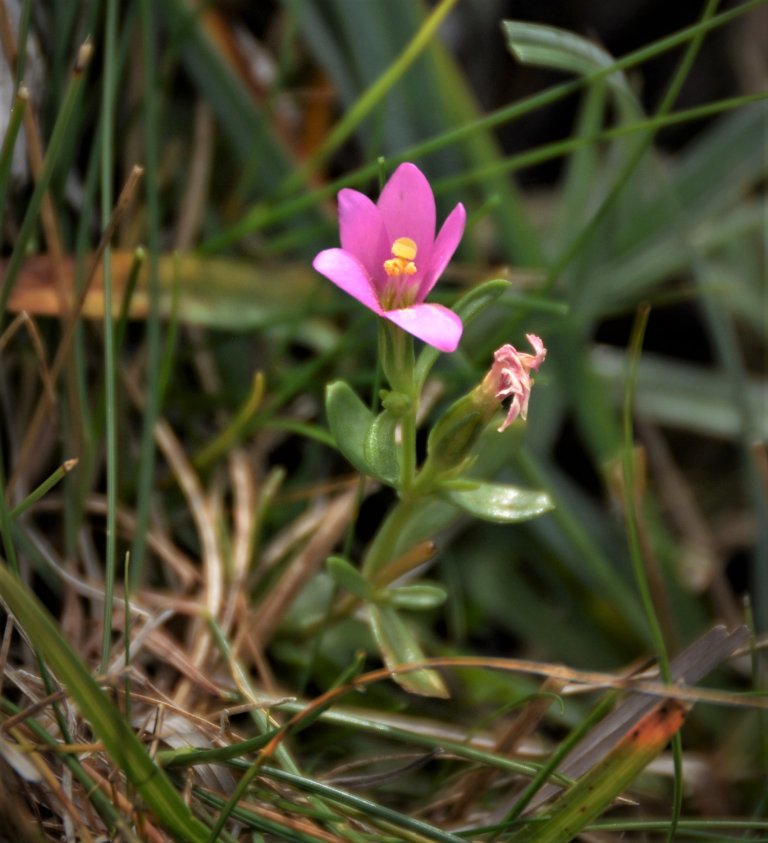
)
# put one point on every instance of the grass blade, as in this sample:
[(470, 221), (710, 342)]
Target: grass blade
[(107, 722)]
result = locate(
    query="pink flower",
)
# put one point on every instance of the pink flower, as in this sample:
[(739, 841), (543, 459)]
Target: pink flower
[(390, 259), (510, 375)]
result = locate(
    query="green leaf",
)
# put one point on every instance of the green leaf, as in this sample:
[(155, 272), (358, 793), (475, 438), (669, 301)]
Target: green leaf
[(416, 597), (346, 576), (597, 789), (501, 503), (681, 395), (557, 49), (716, 171), (399, 647), (467, 307), (127, 751), (350, 421), (367, 442), (380, 450)]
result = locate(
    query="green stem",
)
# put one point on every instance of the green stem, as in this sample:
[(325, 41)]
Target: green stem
[(107, 161), (15, 118), (6, 523), (385, 545), (21, 43), (631, 504), (397, 358), (408, 450), (398, 363), (146, 466)]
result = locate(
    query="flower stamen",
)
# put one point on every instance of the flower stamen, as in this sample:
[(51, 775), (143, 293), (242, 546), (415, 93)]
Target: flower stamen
[(401, 263)]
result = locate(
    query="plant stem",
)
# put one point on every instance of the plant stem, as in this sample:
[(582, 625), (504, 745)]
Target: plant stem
[(384, 547), (107, 162), (408, 450), (398, 363)]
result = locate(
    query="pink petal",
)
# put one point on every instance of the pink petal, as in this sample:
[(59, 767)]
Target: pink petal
[(539, 351), (445, 245), (346, 271), (362, 231), (513, 412), (408, 209), (432, 323), (512, 383)]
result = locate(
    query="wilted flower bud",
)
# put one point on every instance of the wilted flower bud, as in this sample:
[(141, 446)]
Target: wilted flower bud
[(452, 440), (510, 376)]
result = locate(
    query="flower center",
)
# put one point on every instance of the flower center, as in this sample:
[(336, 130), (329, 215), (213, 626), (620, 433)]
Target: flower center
[(401, 263)]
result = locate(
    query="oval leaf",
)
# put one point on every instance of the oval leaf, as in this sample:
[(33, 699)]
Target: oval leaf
[(416, 597), (500, 503), (349, 420), (380, 450), (399, 647), (346, 576)]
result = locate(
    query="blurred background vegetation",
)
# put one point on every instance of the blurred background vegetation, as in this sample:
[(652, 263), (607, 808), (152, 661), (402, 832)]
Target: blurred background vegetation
[(612, 157)]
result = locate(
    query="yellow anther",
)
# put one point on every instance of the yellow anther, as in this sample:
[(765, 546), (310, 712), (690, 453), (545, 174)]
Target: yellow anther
[(403, 252), (405, 248)]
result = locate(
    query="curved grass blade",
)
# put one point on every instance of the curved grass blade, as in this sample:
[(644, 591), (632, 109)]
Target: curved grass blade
[(120, 742), (594, 792), (558, 49)]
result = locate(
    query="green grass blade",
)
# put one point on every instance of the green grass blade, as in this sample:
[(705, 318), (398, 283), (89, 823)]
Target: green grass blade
[(373, 96), (108, 725), (55, 145), (634, 159), (558, 49), (261, 216), (20, 103), (367, 808), (110, 373), (34, 496), (146, 462), (683, 396), (242, 121), (596, 790)]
